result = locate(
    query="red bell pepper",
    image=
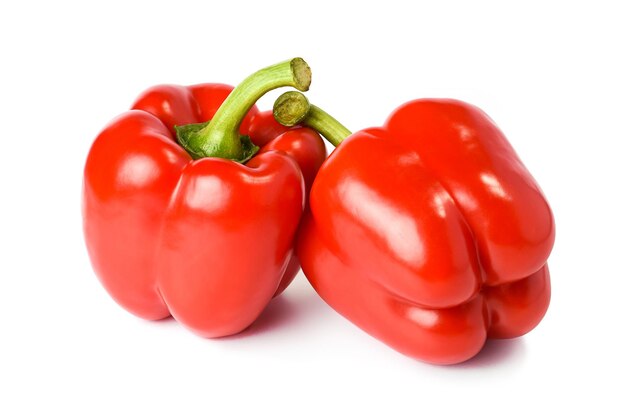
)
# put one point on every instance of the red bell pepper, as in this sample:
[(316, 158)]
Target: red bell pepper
[(428, 233), (189, 230)]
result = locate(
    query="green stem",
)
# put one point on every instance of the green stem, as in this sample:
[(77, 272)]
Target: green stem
[(220, 136), (293, 108)]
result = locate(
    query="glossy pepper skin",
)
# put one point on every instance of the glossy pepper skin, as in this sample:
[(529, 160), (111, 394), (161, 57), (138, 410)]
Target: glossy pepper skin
[(208, 241), (429, 233)]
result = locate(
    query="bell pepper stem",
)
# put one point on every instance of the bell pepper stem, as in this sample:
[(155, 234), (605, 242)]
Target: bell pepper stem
[(293, 108), (220, 136)]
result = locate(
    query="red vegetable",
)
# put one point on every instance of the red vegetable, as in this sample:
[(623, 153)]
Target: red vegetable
[(428, 233), (210, 240)]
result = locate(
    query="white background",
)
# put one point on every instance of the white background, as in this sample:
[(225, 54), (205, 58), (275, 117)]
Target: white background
[(552, 74)]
